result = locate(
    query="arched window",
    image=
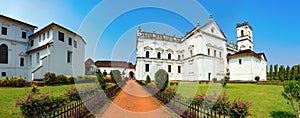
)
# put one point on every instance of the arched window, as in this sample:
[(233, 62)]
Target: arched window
[(147, 54), (169, 56), (3, 54), (191, 53), (158, 55), (242, 33)]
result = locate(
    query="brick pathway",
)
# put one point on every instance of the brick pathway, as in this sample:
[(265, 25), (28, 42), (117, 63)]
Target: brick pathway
[(133, 101)]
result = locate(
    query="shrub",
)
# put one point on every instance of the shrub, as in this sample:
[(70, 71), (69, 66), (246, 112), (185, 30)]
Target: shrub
[(49, 78), (107, 79), (34, 105), (161, 79), (115, 76), (35, 89), (86, 79), (222, 105), (101, 80), (273, 82), (239, 109), (14, 82), (227, 79), (292, 94), (72, 94), (223, 82), (70, 79), (169, 92), (257, 78), (104, 73), (148, 80), (173, 83), (214, 80), (61, 79)]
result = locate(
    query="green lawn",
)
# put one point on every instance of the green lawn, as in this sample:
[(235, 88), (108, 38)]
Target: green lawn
[(267, 99), (9, 95)]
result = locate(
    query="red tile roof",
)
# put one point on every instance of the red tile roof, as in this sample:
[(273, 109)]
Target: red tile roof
[(247, 53), (118, 64)]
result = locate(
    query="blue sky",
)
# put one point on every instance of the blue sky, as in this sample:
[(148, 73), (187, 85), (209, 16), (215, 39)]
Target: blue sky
[(275, 23)]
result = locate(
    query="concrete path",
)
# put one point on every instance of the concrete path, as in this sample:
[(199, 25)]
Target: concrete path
[(134, 101)]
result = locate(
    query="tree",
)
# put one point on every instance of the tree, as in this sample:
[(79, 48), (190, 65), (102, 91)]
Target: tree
[(161, 79), (148, 79), (293, 73), (271, 74), (288, 73), (292, 94), (267, 73), (257, 78), (276, 77), (101, 80), (104, 73), (281, 73), (298, 69), (115, 76)]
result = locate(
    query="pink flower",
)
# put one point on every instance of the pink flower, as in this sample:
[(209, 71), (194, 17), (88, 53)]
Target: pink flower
[(18, 103)]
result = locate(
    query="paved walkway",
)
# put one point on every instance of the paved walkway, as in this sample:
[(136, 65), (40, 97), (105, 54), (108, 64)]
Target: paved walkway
[(133, 101)]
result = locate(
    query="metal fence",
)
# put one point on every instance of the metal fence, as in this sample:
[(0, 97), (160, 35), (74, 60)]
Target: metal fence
[(184, 108), (79, 109)]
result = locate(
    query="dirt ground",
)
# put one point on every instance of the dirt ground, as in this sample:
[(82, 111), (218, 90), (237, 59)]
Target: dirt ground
[(133, 101)]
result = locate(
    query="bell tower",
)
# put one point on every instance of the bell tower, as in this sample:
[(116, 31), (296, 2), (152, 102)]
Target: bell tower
[(244, 36)]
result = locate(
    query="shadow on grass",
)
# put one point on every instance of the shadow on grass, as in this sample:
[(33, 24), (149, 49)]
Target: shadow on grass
[(282, 114)]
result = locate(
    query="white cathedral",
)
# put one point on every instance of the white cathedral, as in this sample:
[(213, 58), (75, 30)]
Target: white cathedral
[(201, 55), (24, 52)]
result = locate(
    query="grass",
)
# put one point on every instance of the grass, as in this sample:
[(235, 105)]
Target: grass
[(267, 99), (9, 95)]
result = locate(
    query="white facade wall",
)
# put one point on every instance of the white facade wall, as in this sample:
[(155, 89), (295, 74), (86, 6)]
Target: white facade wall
[(248, 69), (17, 47), (52, 58)]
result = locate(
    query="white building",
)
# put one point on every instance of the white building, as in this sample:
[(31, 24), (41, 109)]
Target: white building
[(51, 49), (200, 55), (124, 67)]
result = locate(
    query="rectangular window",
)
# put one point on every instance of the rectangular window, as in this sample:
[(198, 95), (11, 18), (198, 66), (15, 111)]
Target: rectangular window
[(40, 38), (3, 74), (37, 57), (208, 52), (4, 30), (169, 68), (21, 61), (179, 69), (69, 57), (24, 35), (70, 41), (44, 37), (240, 61), (30, 60), (220, 54), (61, 36), (75, 44), (48, 34), (215, 53), (31, 43), (178, 57), (147, 68)]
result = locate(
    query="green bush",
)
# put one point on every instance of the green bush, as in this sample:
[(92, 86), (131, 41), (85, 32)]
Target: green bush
[(239, 109), (72, 94), (14, 82), (223, 82), (86, 79), (257, 78), (227, 79), (292, 94), (274, 82), (49, 78), (161, 79), (173, 83), (148, 79), (214, 80), (35, 105), (101, 80), (115, 76)]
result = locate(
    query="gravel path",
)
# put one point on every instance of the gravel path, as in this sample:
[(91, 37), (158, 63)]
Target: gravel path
[(133, 101)]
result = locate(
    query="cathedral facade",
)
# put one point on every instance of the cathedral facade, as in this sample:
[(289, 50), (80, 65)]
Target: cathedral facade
[(200, 55)]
